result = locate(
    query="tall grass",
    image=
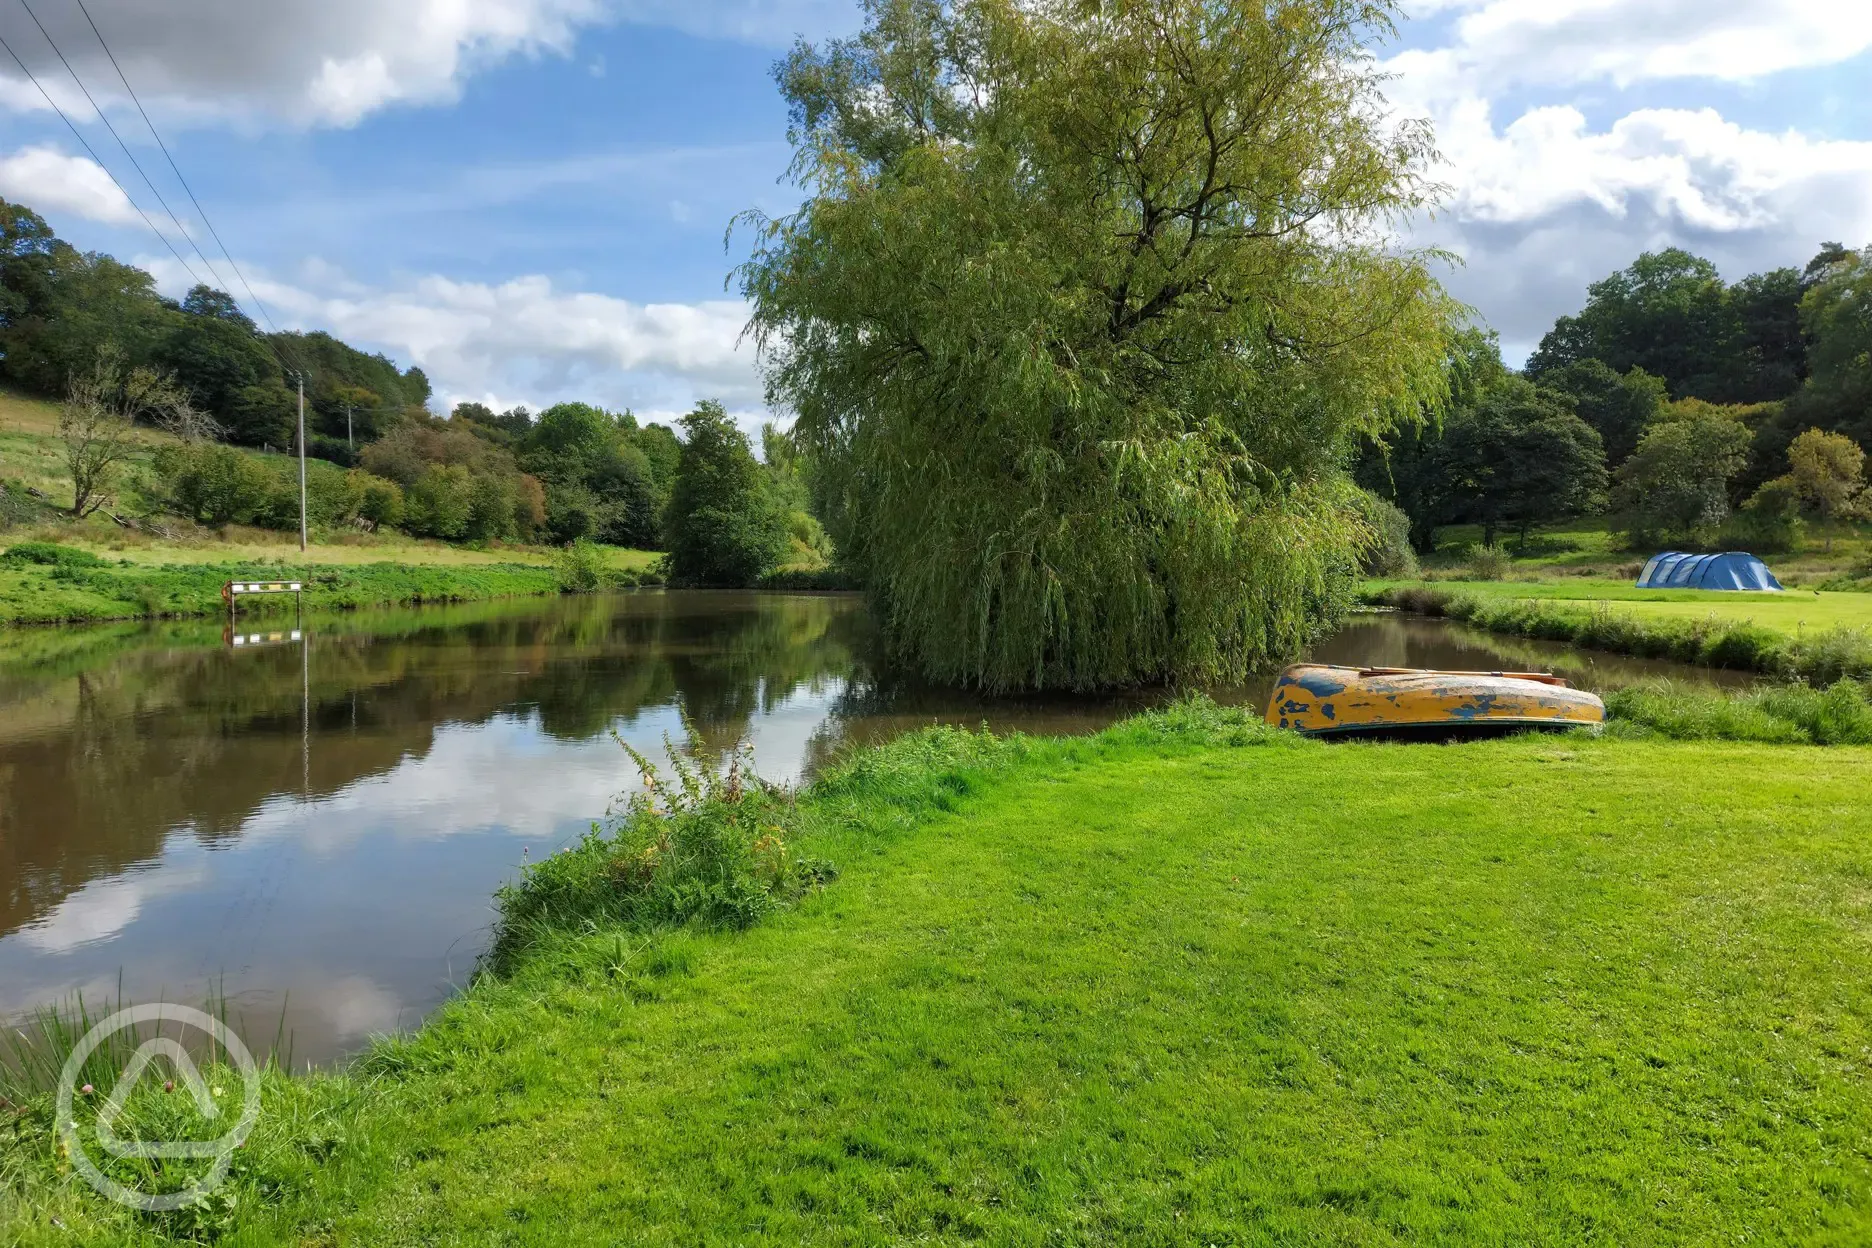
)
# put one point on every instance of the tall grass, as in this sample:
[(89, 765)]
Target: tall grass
[(1820, 658), (300, 1124), (1788, 714), (704, 846)]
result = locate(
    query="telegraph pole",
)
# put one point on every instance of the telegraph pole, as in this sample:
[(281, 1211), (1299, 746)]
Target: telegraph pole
[(350, 442), (302, 466)]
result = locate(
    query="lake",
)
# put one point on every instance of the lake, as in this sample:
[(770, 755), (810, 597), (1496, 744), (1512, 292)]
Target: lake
[(312, 831)]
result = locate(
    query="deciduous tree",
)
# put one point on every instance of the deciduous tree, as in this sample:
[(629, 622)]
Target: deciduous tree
[(98, 419), (723, 526), (1082, 314), (1828, 473), (1676, 484)]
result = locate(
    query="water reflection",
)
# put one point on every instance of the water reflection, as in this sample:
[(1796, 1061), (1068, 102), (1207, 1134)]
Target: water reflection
[(318, 828)]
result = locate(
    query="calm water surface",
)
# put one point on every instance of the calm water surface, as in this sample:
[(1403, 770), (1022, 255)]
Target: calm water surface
[(314, 831)]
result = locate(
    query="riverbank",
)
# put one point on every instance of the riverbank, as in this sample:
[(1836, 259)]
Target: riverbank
[(1820, 639), (45, 583), (1187, 980)]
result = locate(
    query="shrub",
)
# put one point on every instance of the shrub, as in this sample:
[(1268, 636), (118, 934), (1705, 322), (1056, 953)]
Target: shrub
[(1770, 521), (440, 502), (1388, 555), (1489, 563), (380, 501), (708, 848), (581, 567), (216, 484), (49, 555)]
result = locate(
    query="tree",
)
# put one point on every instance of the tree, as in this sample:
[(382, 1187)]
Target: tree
[(1081, 317), (1620, 407), (1828, 474), (1676, 484), (1667, 313), (1670, 314), (97, 423), (213, 350), (1519, 457), (1836, 313), (723, 527), (1404, 466), (1768, 359)]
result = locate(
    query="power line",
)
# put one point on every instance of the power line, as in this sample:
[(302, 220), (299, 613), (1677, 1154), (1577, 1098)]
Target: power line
[(202, 212), (96, 159), (134, 162)]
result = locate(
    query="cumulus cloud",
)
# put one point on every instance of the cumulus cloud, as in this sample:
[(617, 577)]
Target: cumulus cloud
[(1543, 201), (306, 61), (333, 62), (51, 181), (526, 340), (1497, 42)]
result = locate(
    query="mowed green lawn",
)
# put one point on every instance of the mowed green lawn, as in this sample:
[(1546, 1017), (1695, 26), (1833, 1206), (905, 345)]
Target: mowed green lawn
[(1789, 612), (1537, 991)]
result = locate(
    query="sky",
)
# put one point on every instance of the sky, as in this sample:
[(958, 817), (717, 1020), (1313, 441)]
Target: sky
[(532, 199)]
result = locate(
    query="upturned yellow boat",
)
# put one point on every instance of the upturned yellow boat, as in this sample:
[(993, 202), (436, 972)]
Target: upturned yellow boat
[(1322, 700)]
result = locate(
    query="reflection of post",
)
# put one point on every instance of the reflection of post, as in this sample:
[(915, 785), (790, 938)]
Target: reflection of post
[(305, 716)]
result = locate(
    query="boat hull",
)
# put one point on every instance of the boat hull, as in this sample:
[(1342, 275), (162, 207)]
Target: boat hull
[(1320, 700)]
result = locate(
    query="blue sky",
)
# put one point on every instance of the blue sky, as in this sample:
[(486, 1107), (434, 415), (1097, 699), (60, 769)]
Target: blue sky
[(529, 197)]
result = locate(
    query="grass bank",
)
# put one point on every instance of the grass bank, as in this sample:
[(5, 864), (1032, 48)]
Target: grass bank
[(1184, 982), (1821, 640), (43, 583)]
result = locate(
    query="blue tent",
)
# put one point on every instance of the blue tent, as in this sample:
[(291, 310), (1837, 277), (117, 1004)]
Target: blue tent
[(1731, 570)]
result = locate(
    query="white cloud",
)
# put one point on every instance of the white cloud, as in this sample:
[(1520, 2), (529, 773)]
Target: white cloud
[(334, 62), (1691, 165), (525, 340), (307, 61), (51, 181), (1626, 41), (1542, 200)]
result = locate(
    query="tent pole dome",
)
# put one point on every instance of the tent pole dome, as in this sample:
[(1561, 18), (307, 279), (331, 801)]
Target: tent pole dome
[(1734, 570)]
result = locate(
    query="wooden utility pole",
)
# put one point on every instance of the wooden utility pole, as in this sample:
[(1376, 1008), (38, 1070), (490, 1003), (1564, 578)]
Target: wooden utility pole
[(302, 466)]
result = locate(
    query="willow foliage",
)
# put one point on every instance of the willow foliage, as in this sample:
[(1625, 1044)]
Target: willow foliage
[(1083, 308)]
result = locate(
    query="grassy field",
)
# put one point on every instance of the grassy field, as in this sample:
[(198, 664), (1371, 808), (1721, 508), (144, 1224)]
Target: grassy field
[(1589, 548), (181, 572), (1187, 982), (1791, 612)]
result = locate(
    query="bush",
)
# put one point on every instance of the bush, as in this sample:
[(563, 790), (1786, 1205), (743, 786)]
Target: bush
[(218, 485), (49, 555), (709, 848), (440, 502), (581, 567), (380, 501), (1770, 521), (1388, 556), (1489, 563)]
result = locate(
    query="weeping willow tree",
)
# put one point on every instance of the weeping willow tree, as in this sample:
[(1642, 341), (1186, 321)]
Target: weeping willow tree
[(1085, 303)]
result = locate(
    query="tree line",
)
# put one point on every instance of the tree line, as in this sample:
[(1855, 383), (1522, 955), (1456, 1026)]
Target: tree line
[(95, 333), (1689, 410)]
